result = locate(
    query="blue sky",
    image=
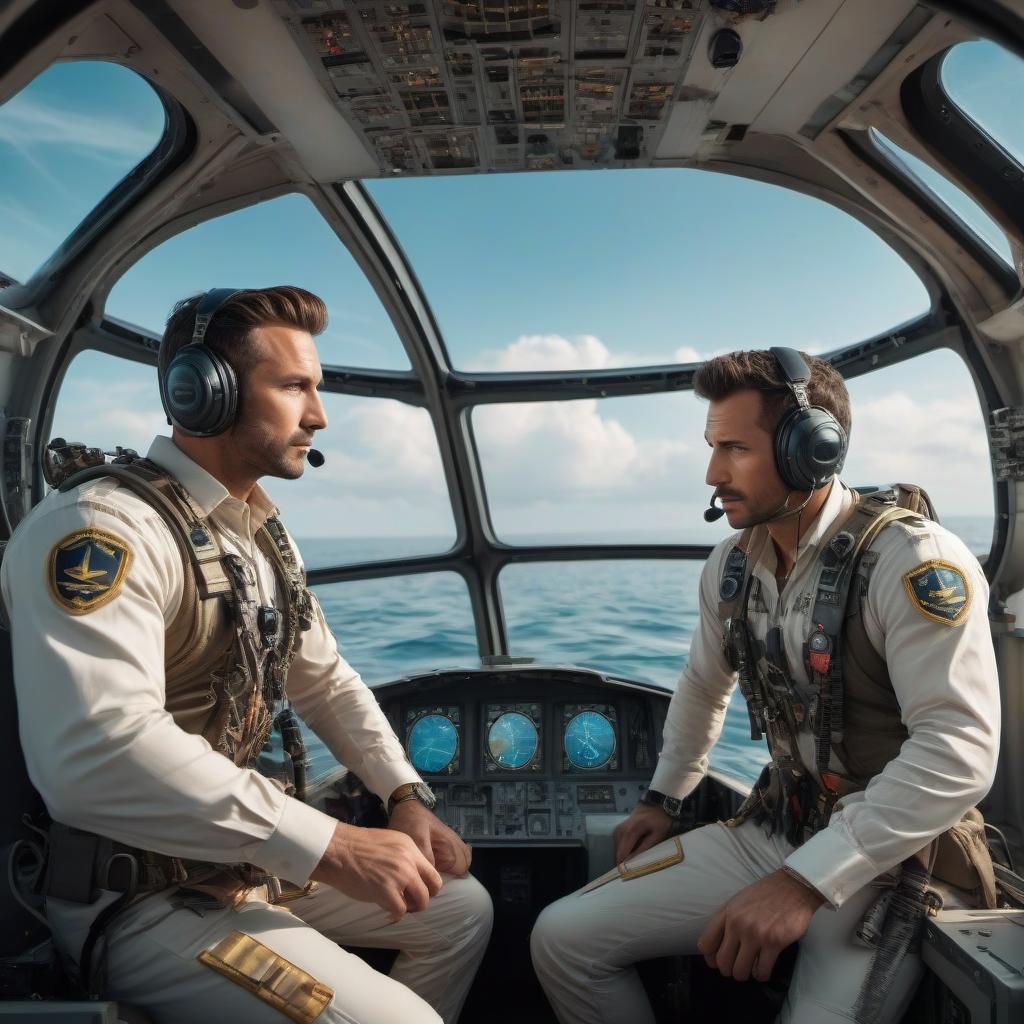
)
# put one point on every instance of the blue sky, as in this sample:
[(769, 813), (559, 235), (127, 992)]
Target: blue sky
[(554, 271)]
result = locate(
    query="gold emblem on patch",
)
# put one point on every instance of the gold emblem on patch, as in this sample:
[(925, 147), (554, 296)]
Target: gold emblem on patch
[(86, 569), (939, 591)]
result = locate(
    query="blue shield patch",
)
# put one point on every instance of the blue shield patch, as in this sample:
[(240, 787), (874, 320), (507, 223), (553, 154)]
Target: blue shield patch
[(939, 591), (86, 569)]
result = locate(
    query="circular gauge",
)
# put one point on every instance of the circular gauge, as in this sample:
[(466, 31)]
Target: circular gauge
[(433, 741), (512, 740), (589, 740)]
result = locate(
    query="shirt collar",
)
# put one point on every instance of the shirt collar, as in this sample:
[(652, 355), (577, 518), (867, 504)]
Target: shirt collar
[(207, 491), (838, 501)]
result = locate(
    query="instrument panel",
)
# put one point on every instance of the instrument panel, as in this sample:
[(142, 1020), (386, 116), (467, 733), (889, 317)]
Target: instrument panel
[(528, 762)]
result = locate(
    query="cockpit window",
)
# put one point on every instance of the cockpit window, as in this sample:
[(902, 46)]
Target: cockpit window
[(930, 405), (586, 270), (129, 413), (389, 627), (281, 241), (381, 492), (616, 470), (65, 141), (985, 82), (951, 196)]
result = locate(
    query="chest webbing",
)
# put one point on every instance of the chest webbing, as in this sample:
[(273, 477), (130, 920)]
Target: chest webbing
[(246, 673), (778, 706)]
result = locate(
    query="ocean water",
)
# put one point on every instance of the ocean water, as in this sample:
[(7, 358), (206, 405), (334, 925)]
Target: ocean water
[(628, 618)]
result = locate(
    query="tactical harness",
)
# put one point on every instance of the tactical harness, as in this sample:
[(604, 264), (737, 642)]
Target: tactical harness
[(852, 710), (849, 705), (226, 662)]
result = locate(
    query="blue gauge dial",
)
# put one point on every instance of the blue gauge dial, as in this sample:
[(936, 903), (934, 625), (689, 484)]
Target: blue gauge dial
[(433, 742), (512, 740), (589, 740)]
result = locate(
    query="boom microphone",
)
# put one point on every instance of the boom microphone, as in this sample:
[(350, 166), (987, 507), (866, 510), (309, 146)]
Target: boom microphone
[(315, 458), (713, 512)]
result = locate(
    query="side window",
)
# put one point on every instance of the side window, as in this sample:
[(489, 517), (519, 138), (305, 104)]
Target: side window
[(281, 241), (106, 401), (982, 79), (65, 141), (929, 405)]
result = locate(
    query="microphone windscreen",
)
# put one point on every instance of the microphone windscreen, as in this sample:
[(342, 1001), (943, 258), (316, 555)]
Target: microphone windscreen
[(713, 513), (315, 458)]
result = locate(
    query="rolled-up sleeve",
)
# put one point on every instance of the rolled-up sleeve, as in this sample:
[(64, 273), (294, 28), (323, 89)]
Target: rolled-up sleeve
[(99, 744), (697, 709), (945, 679)]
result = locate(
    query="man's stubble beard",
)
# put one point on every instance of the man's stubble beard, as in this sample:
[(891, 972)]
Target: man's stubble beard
[(268, 455)]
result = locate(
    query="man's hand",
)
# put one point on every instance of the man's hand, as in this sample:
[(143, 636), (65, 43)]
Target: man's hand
[(378, 866), (644, 828), (436, 841), (750, 931)]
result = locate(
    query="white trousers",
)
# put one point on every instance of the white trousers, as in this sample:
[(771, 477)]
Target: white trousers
[(584, 946), (152, 951)]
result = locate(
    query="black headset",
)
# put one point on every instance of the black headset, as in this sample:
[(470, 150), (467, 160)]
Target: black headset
[(810, 445), (199, 389)]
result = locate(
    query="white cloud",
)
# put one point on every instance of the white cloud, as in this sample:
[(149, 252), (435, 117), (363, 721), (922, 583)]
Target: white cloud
[(542, 352), (687, 354), (939, 444)]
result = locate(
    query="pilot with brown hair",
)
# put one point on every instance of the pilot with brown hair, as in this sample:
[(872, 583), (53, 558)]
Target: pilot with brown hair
[(162, 629), (859, 635)]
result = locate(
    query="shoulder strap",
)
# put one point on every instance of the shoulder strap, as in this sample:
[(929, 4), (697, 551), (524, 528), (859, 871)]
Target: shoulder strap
[(196, 542), (823, 650)]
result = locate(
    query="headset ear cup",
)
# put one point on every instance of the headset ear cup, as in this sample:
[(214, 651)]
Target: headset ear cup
[(200, 392), (810, 447)]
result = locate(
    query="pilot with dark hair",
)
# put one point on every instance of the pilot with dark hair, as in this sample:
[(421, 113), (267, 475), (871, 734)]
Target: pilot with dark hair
[(161, 629), (859, 635)]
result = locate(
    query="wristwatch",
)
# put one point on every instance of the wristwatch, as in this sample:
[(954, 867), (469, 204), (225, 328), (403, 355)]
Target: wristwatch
[(671, 805), (412, 791)]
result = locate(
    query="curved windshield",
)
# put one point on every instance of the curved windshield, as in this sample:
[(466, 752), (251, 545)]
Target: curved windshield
[(65, 141), (586, 270)]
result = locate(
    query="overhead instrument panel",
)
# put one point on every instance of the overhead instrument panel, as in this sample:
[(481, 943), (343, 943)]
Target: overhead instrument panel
[(507, 85), (433, 740), (513, 736), (590, 738)]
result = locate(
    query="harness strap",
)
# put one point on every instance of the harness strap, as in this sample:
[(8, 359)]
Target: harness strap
[(196, 542), (823, 651)]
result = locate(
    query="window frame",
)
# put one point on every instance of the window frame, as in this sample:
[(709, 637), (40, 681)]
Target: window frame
[(944, 127)]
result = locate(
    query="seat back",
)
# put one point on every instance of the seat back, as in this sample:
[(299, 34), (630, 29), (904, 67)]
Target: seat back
[(19, 930)]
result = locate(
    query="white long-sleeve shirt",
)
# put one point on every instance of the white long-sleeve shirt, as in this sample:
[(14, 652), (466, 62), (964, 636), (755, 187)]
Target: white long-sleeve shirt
[(100, 746), (944, 677)]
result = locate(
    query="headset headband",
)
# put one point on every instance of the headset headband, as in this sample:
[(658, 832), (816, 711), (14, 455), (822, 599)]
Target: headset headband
[(207, 309), (796, 372)]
